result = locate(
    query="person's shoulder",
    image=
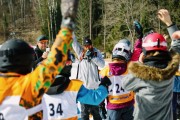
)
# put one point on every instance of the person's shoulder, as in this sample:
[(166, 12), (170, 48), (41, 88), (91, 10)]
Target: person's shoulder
[(74, 85), (96, 50), (76, 81), (36, 48), (105, 71)]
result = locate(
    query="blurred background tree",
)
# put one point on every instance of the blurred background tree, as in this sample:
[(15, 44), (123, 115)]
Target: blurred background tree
[(104, 21)]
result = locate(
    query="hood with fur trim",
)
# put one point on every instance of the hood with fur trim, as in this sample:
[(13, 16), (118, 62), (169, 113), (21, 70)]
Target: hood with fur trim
[(145, 72)]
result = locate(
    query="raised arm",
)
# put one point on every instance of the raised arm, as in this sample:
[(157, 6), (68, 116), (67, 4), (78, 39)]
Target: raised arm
[(137, 49), (165, 17), (94, 97), (77, 47), (45, 73)]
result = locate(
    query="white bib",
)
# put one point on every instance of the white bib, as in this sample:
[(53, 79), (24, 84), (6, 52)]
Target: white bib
[(10, 109), (60, 106), (115, 89)]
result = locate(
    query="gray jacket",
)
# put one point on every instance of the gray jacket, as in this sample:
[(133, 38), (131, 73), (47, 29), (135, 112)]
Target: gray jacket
[(153, 88), (171, 29), (88, 71)]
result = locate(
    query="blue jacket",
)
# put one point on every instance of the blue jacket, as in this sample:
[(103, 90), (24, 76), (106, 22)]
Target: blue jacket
[(92, 97)]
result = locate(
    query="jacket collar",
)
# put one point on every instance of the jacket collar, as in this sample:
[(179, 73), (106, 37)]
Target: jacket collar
[(151, 73)]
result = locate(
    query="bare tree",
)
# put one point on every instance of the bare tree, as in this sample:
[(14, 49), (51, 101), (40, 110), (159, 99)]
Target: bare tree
[(83, 19), (40, 9), (11, 10)]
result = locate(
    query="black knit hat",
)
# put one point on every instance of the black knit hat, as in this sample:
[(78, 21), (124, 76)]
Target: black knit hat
[(42, 37), (87, 41)]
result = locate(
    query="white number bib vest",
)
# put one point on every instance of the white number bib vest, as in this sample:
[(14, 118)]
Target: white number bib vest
[(10, 109), (117, 94), (62, 106)]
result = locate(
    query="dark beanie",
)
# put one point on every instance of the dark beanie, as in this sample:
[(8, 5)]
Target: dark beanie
[(87, 41), (42, 37)]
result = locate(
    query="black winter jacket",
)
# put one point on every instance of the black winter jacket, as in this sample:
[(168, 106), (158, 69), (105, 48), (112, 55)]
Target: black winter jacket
[(38, 56)]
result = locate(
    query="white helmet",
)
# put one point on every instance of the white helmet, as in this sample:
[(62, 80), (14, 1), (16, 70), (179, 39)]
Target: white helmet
[(122, 50)]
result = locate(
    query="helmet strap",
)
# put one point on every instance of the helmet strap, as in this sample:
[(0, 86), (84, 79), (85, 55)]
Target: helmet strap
[(144, 51)]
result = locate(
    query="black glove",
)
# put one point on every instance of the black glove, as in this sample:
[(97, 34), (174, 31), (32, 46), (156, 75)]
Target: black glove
[(138, 28), (102, 110), (105, 81)]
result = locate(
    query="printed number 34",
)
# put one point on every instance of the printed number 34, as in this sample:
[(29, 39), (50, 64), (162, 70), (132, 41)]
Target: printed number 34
[(54, 110)]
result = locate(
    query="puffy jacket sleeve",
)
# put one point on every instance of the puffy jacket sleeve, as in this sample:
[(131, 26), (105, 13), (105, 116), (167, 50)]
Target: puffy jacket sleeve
[(171, 29), (98, 60), (92, 97), (137, 50), (130, 83), (77, 47)]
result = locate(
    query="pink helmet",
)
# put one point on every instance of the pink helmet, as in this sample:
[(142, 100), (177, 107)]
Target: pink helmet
[(154, 41)]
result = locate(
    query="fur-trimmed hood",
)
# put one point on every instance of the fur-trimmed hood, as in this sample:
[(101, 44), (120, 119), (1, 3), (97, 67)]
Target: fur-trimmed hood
[(145, 72)]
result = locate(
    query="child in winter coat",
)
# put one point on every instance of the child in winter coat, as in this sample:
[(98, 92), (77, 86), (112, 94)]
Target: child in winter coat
[(165, 17), (120, 103), (60, 101), (21, 88), (152, 80)]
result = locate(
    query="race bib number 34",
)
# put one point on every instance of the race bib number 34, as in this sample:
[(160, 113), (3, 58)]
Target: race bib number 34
[(55, 109)]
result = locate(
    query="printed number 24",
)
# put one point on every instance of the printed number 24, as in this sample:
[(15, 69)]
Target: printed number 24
[(54, 110), (119, 89)]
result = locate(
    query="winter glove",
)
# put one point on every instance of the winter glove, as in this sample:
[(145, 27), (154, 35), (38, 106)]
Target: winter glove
[(105, 81), (138, 28), (69, 10), (102, 110)]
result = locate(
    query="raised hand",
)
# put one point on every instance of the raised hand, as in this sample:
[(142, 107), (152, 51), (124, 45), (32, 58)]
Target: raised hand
[(164, 16)]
